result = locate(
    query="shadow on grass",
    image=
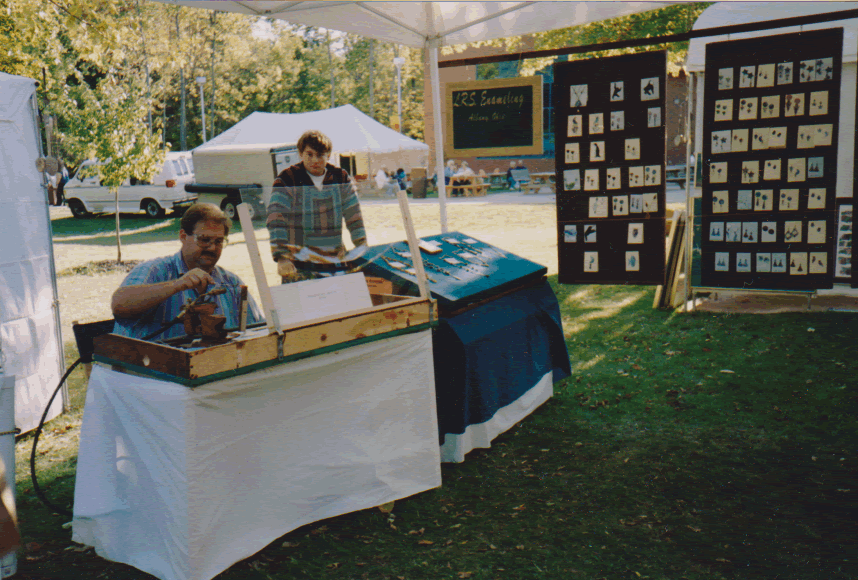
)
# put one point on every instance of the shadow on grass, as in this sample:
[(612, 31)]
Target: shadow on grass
[(704, 446), (100, 230)]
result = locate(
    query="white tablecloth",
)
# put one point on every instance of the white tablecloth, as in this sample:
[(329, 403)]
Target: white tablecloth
[(182, 483)]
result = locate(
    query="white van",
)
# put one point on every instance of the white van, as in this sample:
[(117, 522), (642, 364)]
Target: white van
[(85, 195)]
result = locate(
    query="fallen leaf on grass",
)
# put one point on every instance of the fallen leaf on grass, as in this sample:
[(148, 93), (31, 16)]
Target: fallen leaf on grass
[(728, 372), (693, 529), (425, 543), (290, 544), (386, 508), (519, 508), (417, 532)]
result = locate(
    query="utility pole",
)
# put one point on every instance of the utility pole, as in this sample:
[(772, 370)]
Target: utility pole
[(212, 99), (183, 133), (202, 82)]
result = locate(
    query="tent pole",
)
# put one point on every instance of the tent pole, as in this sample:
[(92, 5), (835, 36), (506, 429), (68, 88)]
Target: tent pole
[(55, 303), (432, 55)]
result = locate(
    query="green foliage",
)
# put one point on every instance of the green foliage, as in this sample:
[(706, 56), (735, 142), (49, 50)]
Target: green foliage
[(672, 19)]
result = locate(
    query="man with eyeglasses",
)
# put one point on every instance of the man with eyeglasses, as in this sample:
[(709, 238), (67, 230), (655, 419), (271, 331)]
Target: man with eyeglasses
[(154, 292), (309, 203)]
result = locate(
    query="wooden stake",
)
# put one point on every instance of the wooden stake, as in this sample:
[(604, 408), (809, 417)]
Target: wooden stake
[(258, 271), (413, 243)]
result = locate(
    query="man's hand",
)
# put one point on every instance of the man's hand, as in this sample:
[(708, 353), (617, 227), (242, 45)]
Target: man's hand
[(195, 279), (285, 267)]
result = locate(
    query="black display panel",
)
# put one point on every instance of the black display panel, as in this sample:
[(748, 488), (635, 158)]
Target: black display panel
[(610, 143), (770, 126)]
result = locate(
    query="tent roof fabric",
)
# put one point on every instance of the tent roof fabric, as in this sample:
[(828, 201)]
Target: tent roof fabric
[(726, 13), (348, 128), (416, 23)]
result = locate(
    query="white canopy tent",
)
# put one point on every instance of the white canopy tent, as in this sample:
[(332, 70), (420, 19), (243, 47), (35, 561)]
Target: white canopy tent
[(30, 351), (431, 25), (351, 131), (728, 13)]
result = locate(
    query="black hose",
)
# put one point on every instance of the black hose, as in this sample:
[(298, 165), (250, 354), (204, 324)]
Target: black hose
[(36, 487)]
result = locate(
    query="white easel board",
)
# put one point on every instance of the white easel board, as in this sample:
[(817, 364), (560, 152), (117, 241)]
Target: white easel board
[(301, 301)]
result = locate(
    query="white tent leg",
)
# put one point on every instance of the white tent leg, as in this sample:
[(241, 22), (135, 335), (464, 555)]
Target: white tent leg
[(432, 55)]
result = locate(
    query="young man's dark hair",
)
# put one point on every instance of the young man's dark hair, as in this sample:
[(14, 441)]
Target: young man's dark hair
[(317, 141)]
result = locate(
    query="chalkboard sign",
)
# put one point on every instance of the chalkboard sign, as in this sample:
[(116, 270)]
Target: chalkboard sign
[(496, 117)]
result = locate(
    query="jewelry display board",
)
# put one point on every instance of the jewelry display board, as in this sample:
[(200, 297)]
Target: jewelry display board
[(610, 169), (770, 124), (460, 269)]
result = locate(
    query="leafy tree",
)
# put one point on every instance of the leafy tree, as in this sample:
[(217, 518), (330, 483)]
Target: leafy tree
[(672, 19)]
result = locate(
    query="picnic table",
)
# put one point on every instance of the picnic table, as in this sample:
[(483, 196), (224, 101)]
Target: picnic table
[(539, 181)]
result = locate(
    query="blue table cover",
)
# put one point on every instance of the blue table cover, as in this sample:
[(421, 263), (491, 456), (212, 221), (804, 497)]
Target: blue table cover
[(489, 356)]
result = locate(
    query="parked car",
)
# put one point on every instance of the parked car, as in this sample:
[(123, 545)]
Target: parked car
[(85, 195)]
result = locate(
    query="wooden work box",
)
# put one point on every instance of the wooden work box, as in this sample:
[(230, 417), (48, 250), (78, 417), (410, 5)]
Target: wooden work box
[(391, 316)]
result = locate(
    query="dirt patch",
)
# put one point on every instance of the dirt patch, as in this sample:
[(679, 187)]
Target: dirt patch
[(99, 267), (775, 303)]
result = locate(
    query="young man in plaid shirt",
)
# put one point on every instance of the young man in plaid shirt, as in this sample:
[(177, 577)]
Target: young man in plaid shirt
[(309, 202)]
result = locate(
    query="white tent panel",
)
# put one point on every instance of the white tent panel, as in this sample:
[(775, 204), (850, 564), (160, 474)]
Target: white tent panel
[(347, 126), (29, 339), (414, 23)]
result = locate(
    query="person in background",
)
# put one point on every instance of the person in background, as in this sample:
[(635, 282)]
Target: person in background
[(154, 292), (461, 177), (63, 176), (309, 203), (402, 178), (510, 180), (449, 170)]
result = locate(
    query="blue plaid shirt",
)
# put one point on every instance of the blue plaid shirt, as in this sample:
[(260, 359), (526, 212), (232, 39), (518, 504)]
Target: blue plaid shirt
[(172, 268)]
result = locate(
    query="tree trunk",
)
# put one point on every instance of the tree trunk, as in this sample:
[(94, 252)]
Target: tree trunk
[(331, 68), (118, 230), (371, 79)]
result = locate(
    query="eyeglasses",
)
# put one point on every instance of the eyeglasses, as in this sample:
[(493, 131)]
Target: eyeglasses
[(205, 241)]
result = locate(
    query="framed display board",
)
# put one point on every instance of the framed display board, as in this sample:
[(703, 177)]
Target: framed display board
[(610, 143), (496, 117), (770, 127)]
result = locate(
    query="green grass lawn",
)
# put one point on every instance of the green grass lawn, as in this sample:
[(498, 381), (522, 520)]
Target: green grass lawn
[(701, 446)]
